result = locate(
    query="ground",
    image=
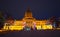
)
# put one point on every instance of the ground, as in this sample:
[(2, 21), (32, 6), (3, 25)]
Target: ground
[(32, 33)]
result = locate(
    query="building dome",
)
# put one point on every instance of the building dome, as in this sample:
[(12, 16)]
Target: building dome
[(28, 13)]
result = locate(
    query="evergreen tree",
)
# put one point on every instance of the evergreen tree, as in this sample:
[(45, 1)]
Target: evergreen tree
[(2, 20)]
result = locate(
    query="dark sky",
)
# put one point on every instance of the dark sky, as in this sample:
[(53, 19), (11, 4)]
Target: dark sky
[(41, 9)]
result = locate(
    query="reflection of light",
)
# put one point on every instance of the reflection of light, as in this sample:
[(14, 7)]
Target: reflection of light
[(44, 27), (38, 27), (47, 26), (54, 24), (14, 27), (24, 23), (34, 24), (27, 28)]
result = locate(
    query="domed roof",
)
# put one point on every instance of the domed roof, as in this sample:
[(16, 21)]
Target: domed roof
[(28, 13), (28, 9)]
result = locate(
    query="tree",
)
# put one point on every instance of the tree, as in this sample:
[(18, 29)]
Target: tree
[(2, 20), (53, 21)]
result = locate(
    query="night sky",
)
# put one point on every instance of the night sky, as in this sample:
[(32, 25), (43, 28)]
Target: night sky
[(41, 9)]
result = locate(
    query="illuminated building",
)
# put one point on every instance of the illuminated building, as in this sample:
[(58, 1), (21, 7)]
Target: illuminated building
[(27, 21)]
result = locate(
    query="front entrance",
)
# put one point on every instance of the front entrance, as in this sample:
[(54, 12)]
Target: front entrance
[(29, 25)]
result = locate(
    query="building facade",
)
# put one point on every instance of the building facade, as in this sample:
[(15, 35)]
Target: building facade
[(27, 21)]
